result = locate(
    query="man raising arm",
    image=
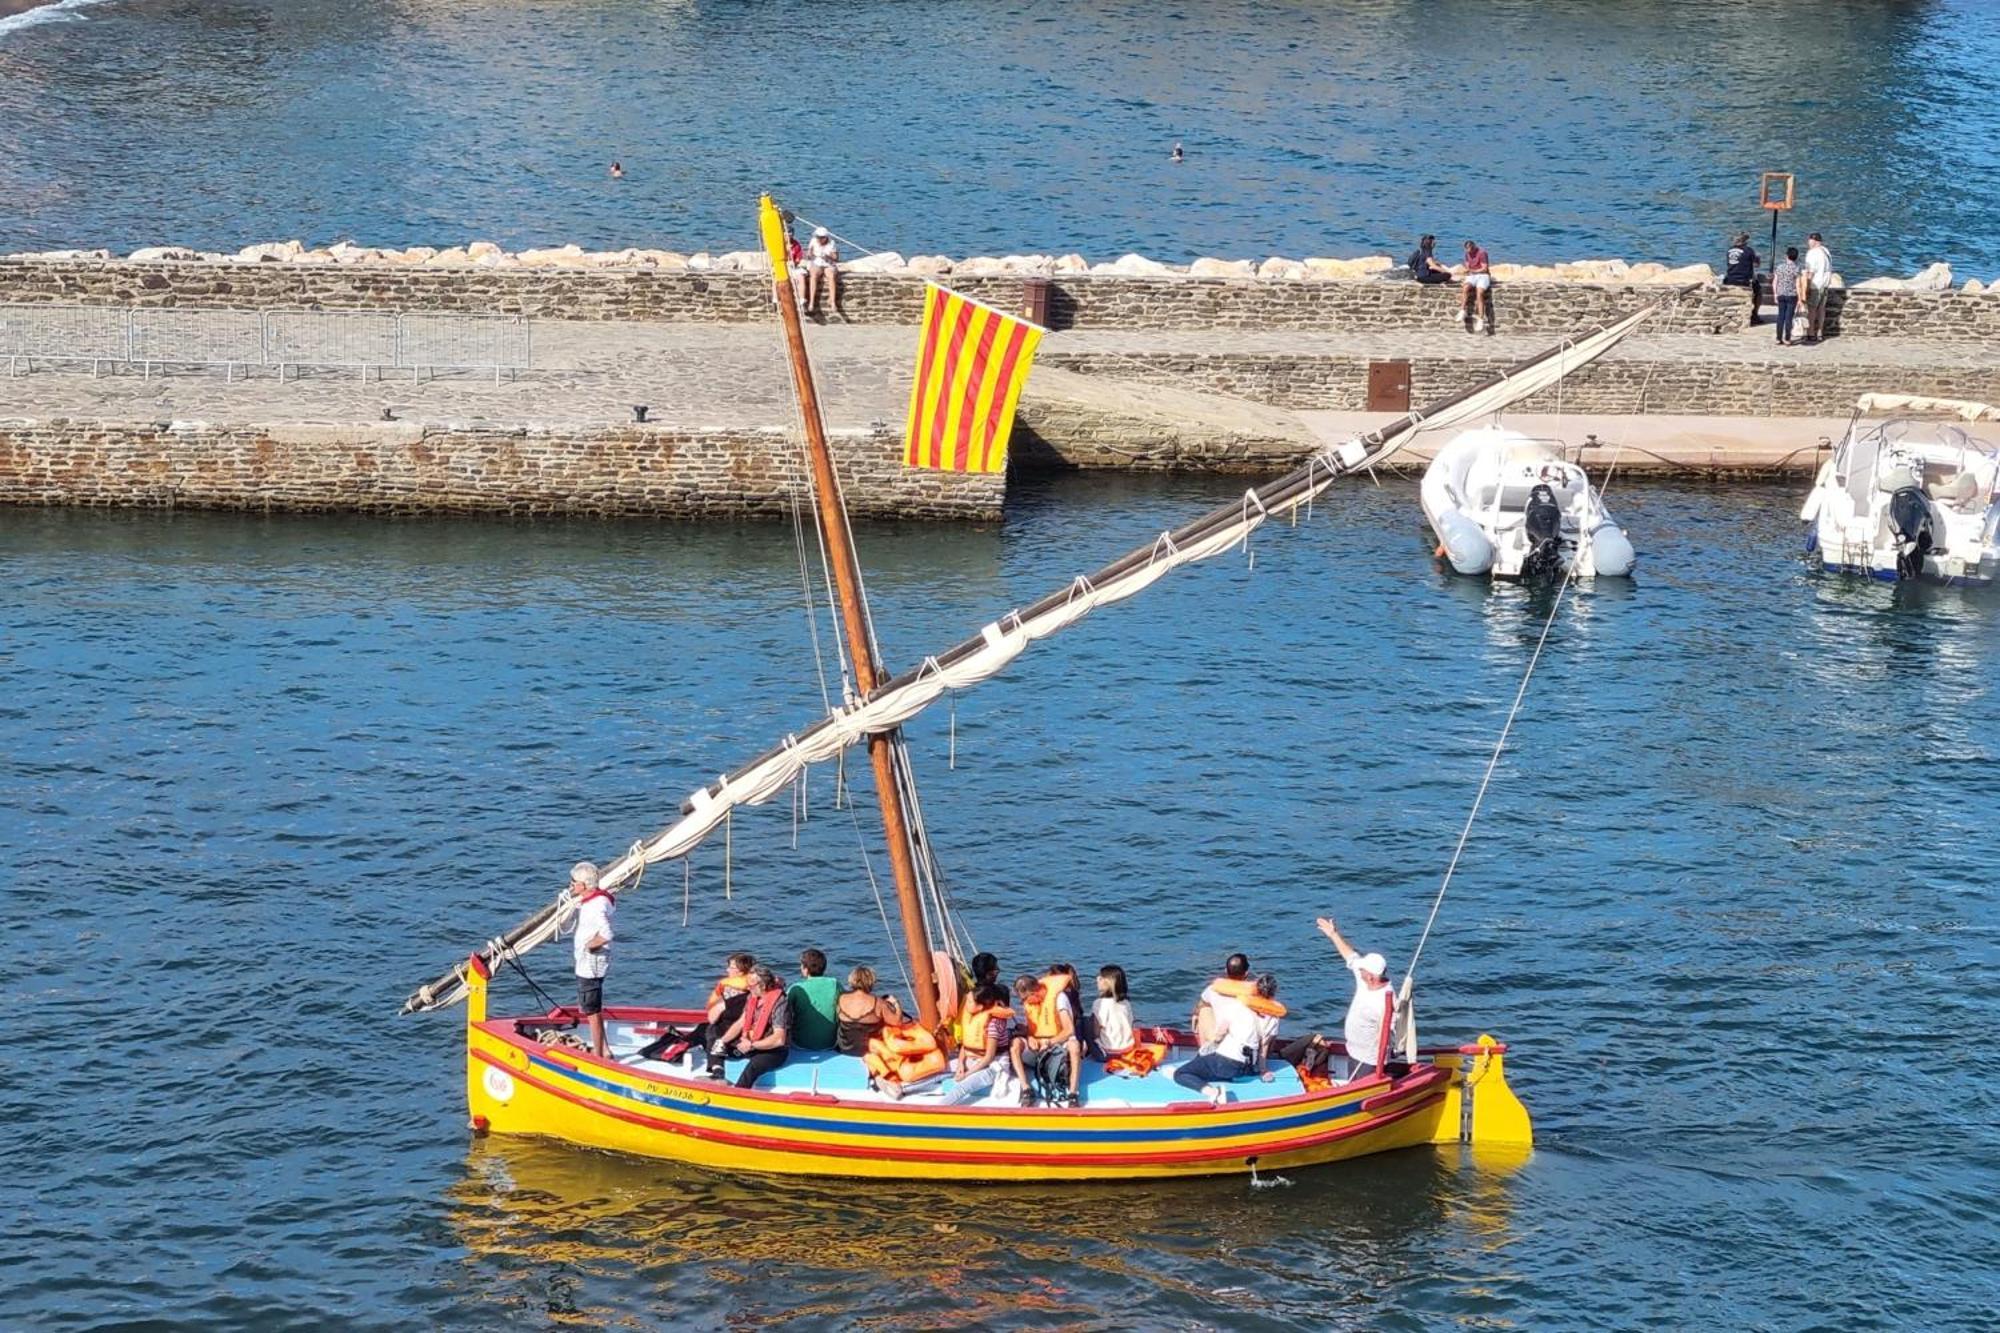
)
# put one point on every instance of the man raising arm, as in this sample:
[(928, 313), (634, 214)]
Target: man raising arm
[(1371, 1013)]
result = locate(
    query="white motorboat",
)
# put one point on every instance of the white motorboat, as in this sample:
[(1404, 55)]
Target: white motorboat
[(1908, 498), (1514, 507)]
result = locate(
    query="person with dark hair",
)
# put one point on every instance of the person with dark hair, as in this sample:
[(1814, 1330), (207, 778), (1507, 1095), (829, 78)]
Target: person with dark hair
[(860, 1014), (1425, 266), (1111, 1017), (724, 1007), (1739, 269), (1787, 281), (988, 1039), (814, 998), (1249, 1024), (1235, 980), (1049, 1040), (761, 1034)]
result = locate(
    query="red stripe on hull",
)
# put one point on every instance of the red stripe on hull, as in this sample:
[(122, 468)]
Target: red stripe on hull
[(1188, 1157)]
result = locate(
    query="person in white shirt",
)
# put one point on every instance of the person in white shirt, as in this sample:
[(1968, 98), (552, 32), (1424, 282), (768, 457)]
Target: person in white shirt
[(591, 946), (1371, 1013), (1242, 1048), (822, 271), (1819, 282)]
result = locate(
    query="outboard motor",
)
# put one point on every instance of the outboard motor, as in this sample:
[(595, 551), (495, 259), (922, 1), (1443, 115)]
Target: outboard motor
[(1542, 520), (1914, 522)]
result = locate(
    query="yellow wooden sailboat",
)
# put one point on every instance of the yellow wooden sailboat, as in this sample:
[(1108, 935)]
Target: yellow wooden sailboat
[(821, 1114)]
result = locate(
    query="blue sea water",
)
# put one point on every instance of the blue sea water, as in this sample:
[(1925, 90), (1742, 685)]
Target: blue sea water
[(1550, 129), (1730, 899)]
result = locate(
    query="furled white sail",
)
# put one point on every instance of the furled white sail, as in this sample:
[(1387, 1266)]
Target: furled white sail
[(998, 644)]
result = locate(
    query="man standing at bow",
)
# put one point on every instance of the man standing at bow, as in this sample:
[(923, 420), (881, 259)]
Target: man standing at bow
[(1371, 1014), (592, 946)]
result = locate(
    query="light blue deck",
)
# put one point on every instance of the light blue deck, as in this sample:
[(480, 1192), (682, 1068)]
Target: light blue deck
[(845, 1076)]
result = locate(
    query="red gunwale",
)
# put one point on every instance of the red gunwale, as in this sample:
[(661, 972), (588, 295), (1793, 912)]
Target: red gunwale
[(503, 1029), (879, 1151)]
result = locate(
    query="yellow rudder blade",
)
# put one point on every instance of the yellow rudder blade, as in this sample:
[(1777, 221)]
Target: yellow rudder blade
[(1498, 1117)]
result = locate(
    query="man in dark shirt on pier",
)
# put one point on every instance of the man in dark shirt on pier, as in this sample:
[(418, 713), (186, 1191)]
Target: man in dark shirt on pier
[(1424, 265)]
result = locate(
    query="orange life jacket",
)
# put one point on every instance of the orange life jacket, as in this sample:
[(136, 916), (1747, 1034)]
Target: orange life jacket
[(1246, 991), (728, 983), (903, 1053), (1140, 1061), (973, 1023), (757, 1014), (1044, 1016)]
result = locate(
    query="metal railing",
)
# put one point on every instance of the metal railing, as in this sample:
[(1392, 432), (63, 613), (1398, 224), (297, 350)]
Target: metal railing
[(252, 340)]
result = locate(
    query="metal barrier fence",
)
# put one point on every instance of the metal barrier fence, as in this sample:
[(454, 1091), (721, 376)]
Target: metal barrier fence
[(248, 340)]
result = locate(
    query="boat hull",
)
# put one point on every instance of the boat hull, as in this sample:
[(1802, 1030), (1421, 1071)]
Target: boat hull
[(519, 1086)]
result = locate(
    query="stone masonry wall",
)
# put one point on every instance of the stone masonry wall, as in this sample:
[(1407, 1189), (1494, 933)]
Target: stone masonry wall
[(1083, 302), (1612, 385), (409, 468)]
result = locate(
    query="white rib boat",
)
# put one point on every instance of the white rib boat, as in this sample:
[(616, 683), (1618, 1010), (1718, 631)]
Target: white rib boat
[(1907, 498), (1512, 507)]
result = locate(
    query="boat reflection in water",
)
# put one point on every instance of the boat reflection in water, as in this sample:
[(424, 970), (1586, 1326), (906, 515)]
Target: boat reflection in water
[(550, 1231)]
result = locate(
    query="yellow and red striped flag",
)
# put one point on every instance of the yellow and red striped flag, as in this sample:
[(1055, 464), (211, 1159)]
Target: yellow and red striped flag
[(971, 363)]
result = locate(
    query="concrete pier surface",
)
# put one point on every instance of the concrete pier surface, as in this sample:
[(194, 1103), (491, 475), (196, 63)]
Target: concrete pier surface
[(719, 435)]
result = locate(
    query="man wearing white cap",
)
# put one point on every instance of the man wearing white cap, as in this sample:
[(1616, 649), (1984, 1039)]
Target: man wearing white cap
[(592, 947), (1371, 1014), (822, 271)]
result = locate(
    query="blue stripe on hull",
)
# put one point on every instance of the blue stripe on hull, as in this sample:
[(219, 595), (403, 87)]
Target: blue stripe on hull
[(1316, 1116)]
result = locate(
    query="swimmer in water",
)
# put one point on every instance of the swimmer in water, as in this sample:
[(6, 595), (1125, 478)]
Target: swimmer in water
[(617, 171), (1178, 155)]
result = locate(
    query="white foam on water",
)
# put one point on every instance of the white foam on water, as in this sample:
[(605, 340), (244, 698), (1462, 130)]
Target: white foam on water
[(60, 11)]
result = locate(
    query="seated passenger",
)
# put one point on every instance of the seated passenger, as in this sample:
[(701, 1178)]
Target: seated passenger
[(724, 1005), (761, 1034), (1248, 1026), (814, 998), (988, 1027), (984, 970), (859, 1015), (1050, 1042), (1111, 1016), (1234, 981)]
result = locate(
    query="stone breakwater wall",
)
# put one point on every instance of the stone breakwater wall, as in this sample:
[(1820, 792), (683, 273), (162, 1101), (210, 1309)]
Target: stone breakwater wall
[(1613, 386), (1076, 301), (404, 468)]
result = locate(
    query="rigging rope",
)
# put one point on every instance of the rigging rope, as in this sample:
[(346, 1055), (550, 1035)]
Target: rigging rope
[(1493, 762)]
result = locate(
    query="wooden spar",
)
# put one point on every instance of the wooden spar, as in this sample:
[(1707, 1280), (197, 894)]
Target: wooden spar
[(854, 619)]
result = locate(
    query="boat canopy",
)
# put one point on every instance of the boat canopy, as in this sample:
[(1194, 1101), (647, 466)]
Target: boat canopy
[(996, 645)]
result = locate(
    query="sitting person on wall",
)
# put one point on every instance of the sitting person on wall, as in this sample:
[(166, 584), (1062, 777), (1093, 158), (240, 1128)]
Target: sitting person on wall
[(1476, 303), (815, 997), (1425, 266), (822, 271), (1739, 269), (760, 1036)]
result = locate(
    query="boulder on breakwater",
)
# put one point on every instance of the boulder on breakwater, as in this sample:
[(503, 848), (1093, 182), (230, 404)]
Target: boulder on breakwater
[(1936, 278)]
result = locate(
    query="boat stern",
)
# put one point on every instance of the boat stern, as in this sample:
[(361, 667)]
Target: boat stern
[(1480, 1108)]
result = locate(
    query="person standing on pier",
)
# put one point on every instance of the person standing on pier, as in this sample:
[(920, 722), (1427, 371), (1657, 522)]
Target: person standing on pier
[(1819, 283), (592, 948), (1787, 278)]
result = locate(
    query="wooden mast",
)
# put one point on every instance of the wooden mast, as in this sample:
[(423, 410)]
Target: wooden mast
[(854, 619)]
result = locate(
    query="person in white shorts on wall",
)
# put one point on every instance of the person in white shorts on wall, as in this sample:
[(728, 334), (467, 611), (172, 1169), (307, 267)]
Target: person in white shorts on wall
[(822, 271), (1477, 302), (1371, 1014), (592, 947)]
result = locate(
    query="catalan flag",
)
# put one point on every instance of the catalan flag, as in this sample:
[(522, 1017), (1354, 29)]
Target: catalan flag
[(971, 363)]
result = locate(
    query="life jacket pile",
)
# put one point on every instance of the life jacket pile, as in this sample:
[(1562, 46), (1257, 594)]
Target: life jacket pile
[(904, 1053), (1141, 1060)]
